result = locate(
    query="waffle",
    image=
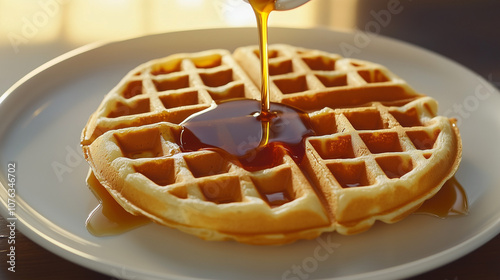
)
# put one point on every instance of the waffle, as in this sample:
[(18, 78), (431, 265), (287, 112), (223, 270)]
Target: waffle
[(379, 149)]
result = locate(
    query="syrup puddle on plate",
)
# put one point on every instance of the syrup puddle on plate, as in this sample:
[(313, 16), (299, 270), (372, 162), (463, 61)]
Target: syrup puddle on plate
[(109, 217), (451, 200)]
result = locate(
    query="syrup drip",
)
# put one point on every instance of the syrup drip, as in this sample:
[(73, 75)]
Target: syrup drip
[(109, 218), (451, 200), (262, 9)]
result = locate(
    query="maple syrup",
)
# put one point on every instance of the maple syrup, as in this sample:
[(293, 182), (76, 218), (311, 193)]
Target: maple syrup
[(237, 129), (262, 9), (451, 200), (109, 218)]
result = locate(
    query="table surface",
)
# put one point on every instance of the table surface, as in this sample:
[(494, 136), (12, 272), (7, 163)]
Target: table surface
[(33, 32)]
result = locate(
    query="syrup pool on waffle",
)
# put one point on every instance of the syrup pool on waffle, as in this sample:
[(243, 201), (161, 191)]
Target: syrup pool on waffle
[(237, 128)]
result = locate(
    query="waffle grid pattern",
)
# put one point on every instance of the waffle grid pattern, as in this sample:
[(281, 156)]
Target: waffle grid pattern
[(203, 175), (396, 146), (313, 79), (171, 90), (204, 185)]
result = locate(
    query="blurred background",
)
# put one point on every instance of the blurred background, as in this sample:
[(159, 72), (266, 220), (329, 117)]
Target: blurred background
[(34, 31)]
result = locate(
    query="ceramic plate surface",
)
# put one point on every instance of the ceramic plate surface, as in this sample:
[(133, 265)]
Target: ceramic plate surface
[(43, 114)]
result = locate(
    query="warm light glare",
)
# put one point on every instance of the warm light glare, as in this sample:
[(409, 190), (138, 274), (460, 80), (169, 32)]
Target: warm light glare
[(236, 13), (343, 14), (164, 16), (92, 20), (189, 3), (29, 21), (81, 22)]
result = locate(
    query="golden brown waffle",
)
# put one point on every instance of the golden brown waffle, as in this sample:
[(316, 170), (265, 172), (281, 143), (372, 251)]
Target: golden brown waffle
[(170, 90), (378, 153)]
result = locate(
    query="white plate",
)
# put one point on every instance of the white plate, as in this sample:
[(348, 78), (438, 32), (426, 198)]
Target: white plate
[(43, 114)]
